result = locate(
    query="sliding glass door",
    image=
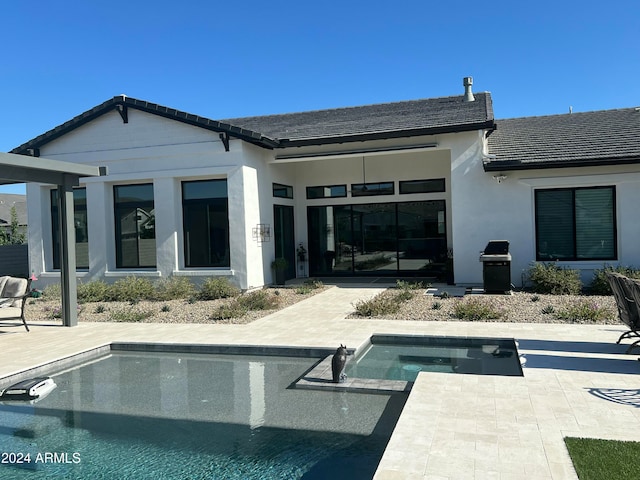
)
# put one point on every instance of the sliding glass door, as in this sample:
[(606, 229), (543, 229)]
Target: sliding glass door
[(378, 238)]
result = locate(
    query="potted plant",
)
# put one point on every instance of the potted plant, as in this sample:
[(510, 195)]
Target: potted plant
[(280, 265)]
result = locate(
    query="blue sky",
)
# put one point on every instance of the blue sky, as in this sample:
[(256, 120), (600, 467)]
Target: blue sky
[(222, 60)]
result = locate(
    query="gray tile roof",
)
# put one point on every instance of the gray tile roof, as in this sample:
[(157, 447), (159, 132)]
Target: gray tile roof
[(605, 137), (388, 120)]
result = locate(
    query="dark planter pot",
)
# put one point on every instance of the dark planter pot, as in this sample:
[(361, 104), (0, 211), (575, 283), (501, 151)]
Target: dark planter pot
[(280, 277)]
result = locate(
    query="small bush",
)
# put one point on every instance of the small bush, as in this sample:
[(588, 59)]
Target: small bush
[(301, 290), (548, 310), (313, 283), (404, 285), (535, 298), (130, 314), (436, 305), (258, 300), (99, 309), (96, 291), (165, 308), (476, 309), (404, 295), (553, 279), (382, 304), (600, 285), (52, 291), (132, 289), (584, 311), (216, 287), (174, 288), (230, 310)]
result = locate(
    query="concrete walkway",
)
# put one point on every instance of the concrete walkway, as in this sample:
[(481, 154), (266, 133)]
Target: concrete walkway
[(577, 382)]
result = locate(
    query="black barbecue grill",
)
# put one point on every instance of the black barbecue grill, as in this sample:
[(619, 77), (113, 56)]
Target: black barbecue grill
[(496, 271)]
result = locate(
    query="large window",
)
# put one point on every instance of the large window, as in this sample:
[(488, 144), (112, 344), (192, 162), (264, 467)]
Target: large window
[(135, 226), (80, 224), (205, 212), (377, 238), (576, 224)]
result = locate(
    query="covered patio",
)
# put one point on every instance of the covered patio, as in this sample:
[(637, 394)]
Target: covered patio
[(65, 175)]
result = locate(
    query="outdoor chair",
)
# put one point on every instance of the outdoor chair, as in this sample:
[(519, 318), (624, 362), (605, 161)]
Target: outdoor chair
[(13, 298), (632, 290), (628, 306)]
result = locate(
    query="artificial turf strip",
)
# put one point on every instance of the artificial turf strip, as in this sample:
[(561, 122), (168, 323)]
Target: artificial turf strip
[(596, 459)]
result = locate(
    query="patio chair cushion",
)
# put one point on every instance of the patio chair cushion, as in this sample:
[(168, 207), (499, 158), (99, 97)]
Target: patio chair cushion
[(13, 291)]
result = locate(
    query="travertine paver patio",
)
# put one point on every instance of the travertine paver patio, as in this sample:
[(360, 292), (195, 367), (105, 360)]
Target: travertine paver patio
[(577, 382)]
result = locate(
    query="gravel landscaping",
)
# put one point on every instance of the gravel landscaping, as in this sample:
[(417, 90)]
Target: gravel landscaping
[(518, 307), (171, 311)]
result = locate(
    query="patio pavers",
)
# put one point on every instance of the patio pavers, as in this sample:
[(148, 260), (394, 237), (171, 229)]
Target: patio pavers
[(577, 382)]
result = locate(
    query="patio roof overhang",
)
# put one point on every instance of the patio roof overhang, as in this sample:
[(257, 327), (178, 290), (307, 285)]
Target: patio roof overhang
[(66, 175)]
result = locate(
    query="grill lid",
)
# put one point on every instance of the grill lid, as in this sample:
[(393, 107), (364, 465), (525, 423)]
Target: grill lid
[(496, 247)]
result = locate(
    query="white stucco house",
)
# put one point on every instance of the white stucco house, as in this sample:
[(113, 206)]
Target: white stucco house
[(379, 190)]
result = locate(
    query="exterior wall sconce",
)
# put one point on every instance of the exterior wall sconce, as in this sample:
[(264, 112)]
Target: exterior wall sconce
[(500, 178), (261, 232)]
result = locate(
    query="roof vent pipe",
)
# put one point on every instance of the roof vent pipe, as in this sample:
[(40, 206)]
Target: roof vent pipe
[(468, 95)]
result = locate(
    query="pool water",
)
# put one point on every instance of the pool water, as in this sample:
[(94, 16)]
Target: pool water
[(392, 357), (195, 416)]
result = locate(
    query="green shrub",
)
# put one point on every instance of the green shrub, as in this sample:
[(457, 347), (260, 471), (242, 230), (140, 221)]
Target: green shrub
[(52, 291), (535, 298), (436, 305), (96, 291), (476, 309), (165, 308), (174, 288), (100, 309), (313, 283), (584, 311), (384, 303), (404, 285), (217, 287), (600, 285), (547, 310), (258, 300), (132, 289), (130, 314), (553, 279), (404, 295), (229, 310), (301, 290)]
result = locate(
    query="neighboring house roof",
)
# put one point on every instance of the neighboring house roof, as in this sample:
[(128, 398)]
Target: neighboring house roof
[(8, 200), (606, 137), (388, 120)]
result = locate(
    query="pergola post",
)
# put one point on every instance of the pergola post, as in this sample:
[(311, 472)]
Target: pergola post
[(67, 231)]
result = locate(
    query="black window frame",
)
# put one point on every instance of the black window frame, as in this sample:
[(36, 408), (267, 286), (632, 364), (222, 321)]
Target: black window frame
[(205, 202), (440, 186), (119, 207), (373, 189), (312, 188), (278, 187), (575, 233)]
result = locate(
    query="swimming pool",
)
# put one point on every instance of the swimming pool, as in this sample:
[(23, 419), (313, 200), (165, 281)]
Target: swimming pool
[(402, 357), (186, 415)]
